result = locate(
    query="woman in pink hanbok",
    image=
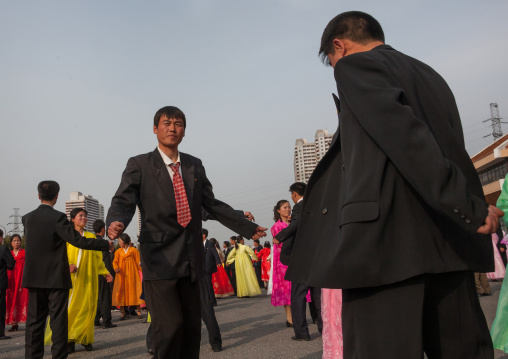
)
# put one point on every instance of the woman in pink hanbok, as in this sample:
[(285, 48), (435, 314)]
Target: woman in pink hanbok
[(499, 269), (331, 308), (281, 288)]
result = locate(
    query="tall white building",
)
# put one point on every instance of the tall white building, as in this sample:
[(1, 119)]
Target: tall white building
[(91, 205), (308, 154)]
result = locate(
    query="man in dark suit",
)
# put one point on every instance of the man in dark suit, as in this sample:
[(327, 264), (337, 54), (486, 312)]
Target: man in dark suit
[(397, 207), (207, 295), (104, 301), (299, 291), (6, 262), (46, 274), (170, 188), (230, 269), (257, 265)]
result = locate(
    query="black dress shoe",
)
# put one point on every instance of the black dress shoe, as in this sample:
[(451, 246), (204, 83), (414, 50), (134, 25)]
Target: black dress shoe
[(289, 325), (217, 348), (300, 339), (71, 348), (97, 324), (4, 337), (88, 347), (150, 351), (109, 325)]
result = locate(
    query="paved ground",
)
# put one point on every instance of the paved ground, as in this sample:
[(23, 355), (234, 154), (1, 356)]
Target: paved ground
[(251, 328)]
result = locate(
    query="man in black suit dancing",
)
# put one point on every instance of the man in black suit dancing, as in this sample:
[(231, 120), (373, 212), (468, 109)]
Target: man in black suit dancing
[(171, 188), (230, 269), (397, 206), (207, 295), (6, 262), (105, 289), (46, 274), (257, 265), (299, 291)]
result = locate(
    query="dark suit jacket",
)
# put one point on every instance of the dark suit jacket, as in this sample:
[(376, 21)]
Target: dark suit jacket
[(46, 264), (287, 235), (107, 258), (396, 195), (169, 251), (232, 265), (6, 262), (212, 258)]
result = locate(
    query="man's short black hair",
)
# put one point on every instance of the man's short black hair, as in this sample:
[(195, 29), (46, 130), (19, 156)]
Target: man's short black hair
[(1, 233), (205, 232), (98, 225), (298, 187), (256, 241), (170, 112), (48, 190), (356, 26)]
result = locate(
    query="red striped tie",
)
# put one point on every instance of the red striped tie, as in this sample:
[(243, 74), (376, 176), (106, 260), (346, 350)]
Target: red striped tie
[(182, 205)]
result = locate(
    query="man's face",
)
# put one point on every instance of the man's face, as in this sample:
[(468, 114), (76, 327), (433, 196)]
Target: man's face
[(170, 132), (204, 237)]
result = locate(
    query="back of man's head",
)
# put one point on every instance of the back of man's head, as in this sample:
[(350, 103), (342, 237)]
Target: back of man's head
[(298, 188), (98, 225), (355, 26), (48, 190)]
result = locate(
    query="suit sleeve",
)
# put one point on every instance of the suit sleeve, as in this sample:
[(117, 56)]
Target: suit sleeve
[(223, 213), (378, 103), (9, 259), (123, 204), (65, 231), (290, 230)]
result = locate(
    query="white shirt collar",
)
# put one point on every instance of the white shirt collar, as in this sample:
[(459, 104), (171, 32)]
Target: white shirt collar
[(301, 199), (167, 161)]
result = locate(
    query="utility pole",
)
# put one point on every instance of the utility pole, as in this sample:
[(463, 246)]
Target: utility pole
[(16, 222), (496, 122)]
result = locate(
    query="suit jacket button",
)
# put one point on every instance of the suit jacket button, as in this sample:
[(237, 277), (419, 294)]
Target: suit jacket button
[(468, 221), (324, 211), (462, 216), (456, 210)]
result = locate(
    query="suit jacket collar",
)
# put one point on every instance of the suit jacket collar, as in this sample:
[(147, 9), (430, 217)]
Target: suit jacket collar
[(164, 180)]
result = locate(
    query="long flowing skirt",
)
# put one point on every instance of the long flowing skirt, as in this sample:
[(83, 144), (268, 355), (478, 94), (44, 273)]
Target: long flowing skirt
[(265, 271), (499, 270), (221, 285), (499, 330), (331, 308), (246, 282), (281, 288)]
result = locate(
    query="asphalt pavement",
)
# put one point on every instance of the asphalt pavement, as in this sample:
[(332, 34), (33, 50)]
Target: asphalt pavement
[(251, 328)]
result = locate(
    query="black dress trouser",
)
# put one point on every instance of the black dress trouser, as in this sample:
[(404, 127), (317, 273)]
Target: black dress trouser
[(299, 307), (42, 301), (207, 311), (3, 310), (438, 314), (176, 317), (104, 301)]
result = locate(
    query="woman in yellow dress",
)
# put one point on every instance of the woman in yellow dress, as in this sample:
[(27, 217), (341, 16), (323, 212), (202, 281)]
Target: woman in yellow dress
[(127, 289), (85, 267), (246, 282)]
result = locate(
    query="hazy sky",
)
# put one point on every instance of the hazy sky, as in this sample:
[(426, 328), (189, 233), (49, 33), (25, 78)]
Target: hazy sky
[(80, 82)]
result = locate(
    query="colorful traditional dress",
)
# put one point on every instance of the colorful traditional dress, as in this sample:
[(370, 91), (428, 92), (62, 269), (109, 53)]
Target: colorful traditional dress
[(499, 269), (281, 288), (84, 293), (16, 296), (246, 281), (127, 288), (331, 308), (221, 285), (265, 264)]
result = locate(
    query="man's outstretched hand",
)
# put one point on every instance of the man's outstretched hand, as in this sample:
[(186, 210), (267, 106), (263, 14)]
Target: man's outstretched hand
[(115, 229), (249, 216), (491, 223), (260, 233)]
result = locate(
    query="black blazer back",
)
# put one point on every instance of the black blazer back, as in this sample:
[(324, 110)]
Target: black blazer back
[(6, 262), (46, 262)]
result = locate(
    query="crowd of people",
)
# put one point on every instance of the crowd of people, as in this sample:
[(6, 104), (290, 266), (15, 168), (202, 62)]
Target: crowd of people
[(383, 243)]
